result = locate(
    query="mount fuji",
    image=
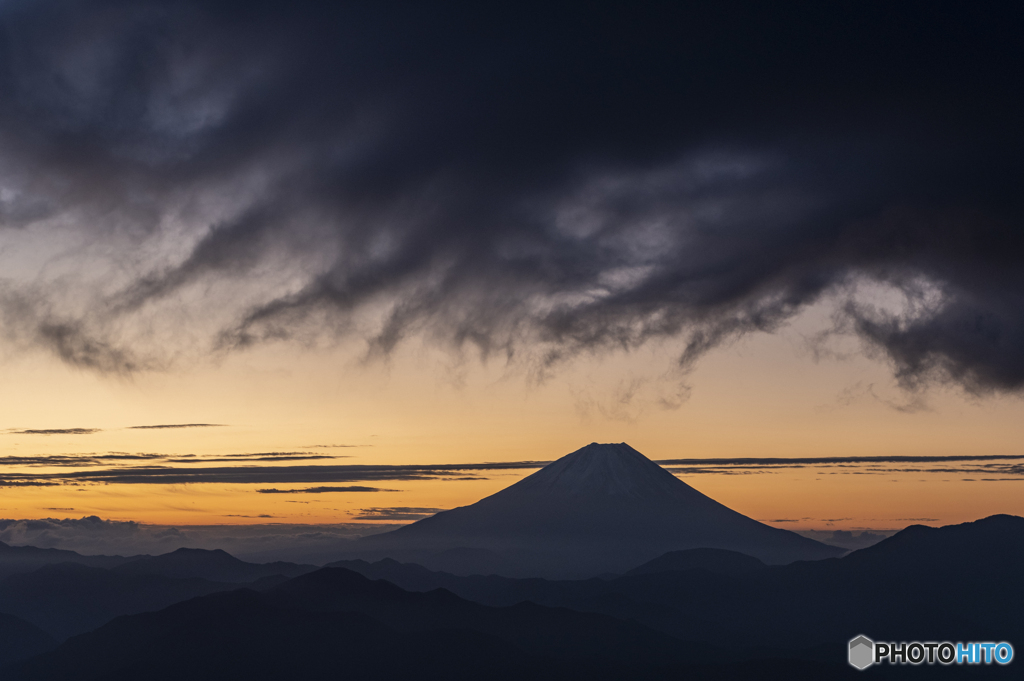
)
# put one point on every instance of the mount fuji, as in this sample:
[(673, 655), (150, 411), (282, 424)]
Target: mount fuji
[(601, 509)]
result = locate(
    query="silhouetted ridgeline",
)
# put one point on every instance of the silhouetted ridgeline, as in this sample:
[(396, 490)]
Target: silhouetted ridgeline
[(334, 623), (216, 565), (689, 614), (959, 582), (15, 559), (71, 597), (20, 640), (68, 599)]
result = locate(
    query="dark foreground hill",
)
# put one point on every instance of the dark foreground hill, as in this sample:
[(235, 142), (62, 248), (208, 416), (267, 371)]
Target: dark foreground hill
[(957, 583), (603, 508), (695, 615), (551, 632), (336, 624), (20, 640), (65, 599), (718, 561), (69, 599)]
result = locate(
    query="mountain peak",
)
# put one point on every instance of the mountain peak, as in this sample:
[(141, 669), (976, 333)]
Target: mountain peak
[(602, 508), (185, 552), (603, 470)]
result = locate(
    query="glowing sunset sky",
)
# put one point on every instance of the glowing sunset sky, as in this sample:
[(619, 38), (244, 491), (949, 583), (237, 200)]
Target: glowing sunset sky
[(374, 262)]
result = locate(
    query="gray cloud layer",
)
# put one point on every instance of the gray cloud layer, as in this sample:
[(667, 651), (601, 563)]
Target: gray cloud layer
[(89, 469), (833, 460), (528, 182), (256, 474), (396, 513), (127, 459)]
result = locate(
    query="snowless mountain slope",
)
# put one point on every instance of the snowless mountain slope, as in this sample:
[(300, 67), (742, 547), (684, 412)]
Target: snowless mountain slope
[(603, 508)]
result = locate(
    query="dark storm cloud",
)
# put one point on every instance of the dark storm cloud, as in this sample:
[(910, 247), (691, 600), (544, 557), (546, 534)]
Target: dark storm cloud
[(531, 182)]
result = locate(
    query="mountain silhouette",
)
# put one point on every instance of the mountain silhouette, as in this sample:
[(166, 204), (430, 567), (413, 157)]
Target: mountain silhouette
[(956, 583), (20, 640), (553, 632), (719, 561), (68, 599), (239, 635), (335, 623), (215, 565), (603, 508), (20, 559), (992, 547), (696, 614)]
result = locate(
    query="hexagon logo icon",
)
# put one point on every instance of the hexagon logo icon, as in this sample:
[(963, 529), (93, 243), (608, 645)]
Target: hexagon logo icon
[(862, 652)]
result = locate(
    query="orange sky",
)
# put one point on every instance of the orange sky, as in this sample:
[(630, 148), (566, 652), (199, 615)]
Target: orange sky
[(766, 396)]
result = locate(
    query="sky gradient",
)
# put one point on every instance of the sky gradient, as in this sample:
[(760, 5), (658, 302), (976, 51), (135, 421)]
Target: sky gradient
[(465, 240)]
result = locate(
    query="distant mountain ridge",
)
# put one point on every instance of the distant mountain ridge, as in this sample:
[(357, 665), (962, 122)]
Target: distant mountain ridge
[(71, 597), (958, 582), (788, 622), (15, 559), (719, 561), (20, 640), (334, 623), (215, 565), (212, 564), (603, 508), (67, 599)]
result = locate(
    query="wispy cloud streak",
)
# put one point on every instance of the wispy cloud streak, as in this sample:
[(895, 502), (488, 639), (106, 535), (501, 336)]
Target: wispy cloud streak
[(169, 475), (55, 431), (396, 513), (325, 490), (177, 425), (198, 472)]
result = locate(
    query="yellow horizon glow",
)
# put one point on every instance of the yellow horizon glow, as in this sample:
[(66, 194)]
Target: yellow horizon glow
[(764, 396)]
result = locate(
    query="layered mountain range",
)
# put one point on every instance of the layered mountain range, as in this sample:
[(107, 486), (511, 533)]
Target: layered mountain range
[(676, 585), (693, 613)]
